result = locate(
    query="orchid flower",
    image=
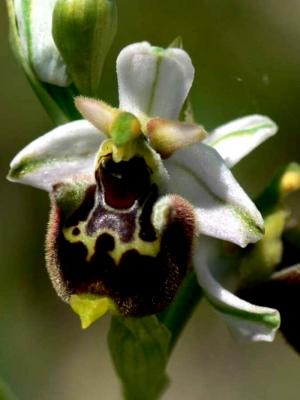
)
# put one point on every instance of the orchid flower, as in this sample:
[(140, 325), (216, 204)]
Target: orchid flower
[(134, 192)]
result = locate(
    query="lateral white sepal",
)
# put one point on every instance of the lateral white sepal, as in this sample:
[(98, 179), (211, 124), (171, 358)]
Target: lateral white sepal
[(245, 320), (60, 154), (224, 210), (234, 140)]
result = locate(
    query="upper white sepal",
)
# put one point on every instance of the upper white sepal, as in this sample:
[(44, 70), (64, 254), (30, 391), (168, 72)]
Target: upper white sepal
[(152, 80), (60, 154), (235, 140), (224, 210)]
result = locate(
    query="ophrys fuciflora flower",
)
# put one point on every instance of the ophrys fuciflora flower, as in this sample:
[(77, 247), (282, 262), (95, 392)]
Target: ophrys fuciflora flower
[(132, 188)]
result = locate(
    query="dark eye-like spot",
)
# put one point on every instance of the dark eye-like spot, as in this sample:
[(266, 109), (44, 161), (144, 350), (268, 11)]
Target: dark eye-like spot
[(147, 232), (76, 231)]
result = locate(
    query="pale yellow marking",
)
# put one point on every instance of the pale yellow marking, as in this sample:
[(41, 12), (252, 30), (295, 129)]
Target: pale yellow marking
[(144, 248)]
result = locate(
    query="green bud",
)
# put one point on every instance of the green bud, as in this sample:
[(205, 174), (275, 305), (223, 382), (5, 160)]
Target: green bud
[(83, 31)]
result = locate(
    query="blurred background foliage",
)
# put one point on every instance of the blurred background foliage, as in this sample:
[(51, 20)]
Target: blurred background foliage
[(247, 60)]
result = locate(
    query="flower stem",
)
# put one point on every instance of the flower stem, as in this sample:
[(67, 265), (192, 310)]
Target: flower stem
[(179, 312)]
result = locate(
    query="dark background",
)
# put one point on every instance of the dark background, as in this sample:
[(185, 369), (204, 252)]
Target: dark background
[(247, 59)]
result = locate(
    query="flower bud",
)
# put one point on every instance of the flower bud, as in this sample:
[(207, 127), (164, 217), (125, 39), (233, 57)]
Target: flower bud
[(83, 31), (34, 19)]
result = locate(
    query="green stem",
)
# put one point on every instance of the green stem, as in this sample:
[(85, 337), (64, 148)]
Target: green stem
[(176, 316)]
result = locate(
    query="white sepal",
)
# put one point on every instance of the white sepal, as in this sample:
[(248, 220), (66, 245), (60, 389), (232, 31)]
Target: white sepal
[(235, 140), (152, 80), (60, 154), (224, 210), (34, 19), (245, 320)]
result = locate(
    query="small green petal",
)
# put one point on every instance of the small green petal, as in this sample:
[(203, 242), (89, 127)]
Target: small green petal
[(125, 128)]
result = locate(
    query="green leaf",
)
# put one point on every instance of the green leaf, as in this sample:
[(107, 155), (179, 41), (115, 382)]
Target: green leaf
[(139, 349)]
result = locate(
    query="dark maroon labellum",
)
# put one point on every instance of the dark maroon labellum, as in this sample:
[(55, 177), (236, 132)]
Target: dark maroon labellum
[(108, 245)]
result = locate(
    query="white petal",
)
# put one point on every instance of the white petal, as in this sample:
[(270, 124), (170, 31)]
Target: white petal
[(98, 113), (246, 321), (35, 29), (152, 80), (64, 152), (235, 140), (224, 210)]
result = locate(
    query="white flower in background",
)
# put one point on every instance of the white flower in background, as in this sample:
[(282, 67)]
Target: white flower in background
[(34, 19), (125, 224)]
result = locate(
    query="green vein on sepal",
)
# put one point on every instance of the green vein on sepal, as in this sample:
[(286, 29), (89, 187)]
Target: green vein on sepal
[(159, 53), (248, 220), (271, 319), (244, 132), (29, 165)]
